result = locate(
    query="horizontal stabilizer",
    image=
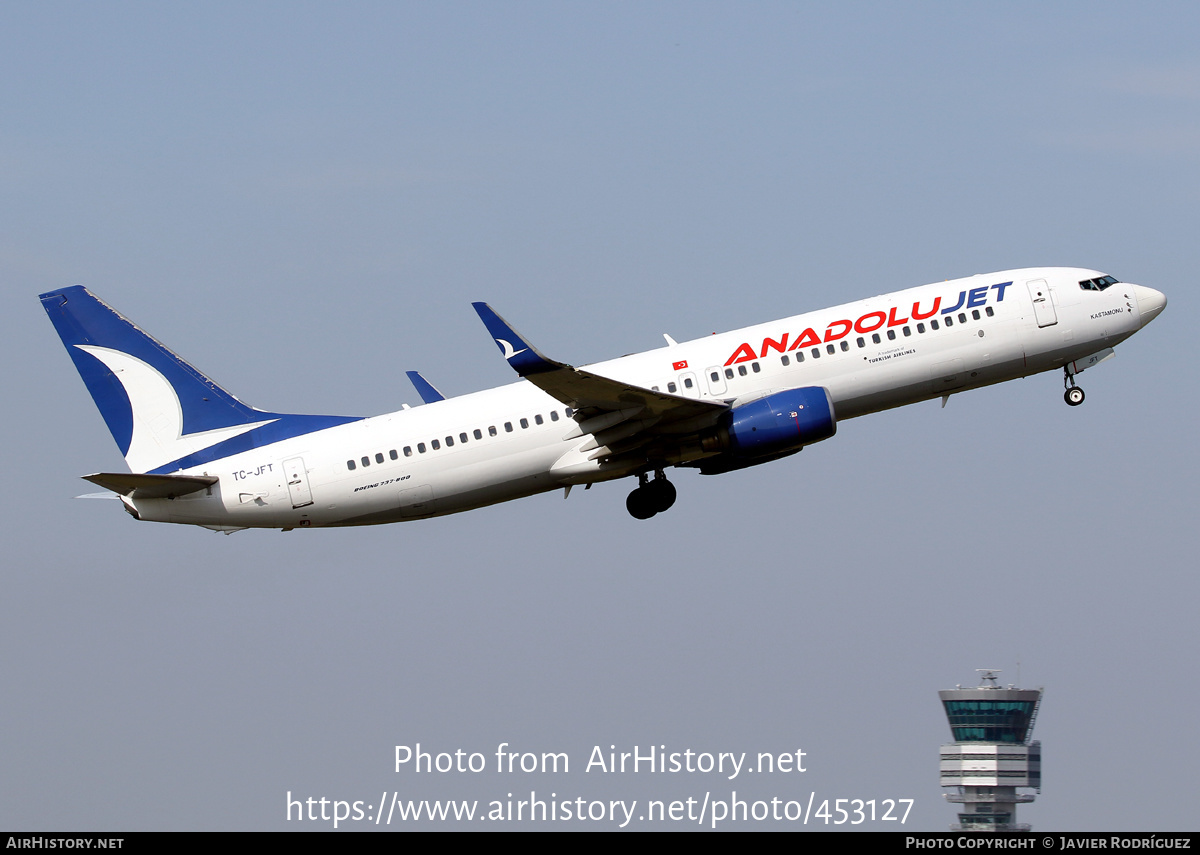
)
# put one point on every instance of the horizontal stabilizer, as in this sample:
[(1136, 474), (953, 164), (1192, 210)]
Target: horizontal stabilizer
[(424, 388), (137, 486)]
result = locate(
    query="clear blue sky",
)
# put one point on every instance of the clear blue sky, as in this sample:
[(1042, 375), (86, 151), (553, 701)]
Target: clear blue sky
[(303, 199)]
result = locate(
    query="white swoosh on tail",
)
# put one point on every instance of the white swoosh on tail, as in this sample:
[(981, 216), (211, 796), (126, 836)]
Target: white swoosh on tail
[(157, 415), (509, 353)]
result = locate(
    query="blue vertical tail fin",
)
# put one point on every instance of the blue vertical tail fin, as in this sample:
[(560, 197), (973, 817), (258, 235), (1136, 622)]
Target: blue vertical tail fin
[(163, 414)]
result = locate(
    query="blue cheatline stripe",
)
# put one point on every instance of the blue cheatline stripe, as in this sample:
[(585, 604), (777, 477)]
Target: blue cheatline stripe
[(284, 427)]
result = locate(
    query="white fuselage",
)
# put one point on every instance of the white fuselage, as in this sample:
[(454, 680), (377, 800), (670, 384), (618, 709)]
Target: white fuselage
[(871, 355)]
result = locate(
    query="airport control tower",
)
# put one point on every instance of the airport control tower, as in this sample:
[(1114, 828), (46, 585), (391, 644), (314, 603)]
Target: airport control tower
[(991, 755)]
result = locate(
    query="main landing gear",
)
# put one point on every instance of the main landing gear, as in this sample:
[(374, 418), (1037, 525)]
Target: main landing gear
[(650, 497), (1074, 395)]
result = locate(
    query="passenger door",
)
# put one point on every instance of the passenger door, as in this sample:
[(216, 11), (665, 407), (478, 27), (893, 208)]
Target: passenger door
[(1043, 305), (297, 481)]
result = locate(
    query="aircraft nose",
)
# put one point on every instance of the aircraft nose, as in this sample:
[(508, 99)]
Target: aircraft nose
[(1150, 302)]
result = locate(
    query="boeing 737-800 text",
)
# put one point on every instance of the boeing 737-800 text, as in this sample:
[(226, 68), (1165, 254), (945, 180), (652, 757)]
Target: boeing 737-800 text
[(198, 455)]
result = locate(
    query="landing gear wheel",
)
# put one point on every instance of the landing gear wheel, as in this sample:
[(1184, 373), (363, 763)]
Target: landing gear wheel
[(1073, 396), (650, 497), (640, 504), (662, 494)]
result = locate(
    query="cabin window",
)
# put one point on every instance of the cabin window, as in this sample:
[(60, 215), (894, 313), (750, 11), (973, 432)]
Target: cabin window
[(420, 448), (435, 445), (933, 325), (538, 419), (862, 342), (477, 433), (366, 461), (569, 412), (492, 430), (524, 423), (408, 451), (816, 353), (891, 335), (462, 437), (554, 415), (921, 328), (379, 457), (875, 338), (975, 314), (449, 442), (671, 387), (962, 317), (907, 331), (653, 388), (687, 382), (989, 311), (508, 427), (783, 359), (949, 321), (799, 356), (755, 367), (728, 373), (845, 345), (829, 348), (392, 454), (350, 465)]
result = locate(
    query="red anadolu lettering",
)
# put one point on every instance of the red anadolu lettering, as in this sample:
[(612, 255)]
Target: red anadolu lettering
[(867, 323)]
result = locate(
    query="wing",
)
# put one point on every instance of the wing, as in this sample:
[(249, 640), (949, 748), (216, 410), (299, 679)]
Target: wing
[(625, 419), (429, 394)]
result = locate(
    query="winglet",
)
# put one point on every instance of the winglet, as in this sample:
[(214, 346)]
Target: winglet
[(424, 388), (521, 355)]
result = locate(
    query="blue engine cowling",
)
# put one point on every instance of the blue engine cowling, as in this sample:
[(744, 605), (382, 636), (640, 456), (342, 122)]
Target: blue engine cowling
[(770, 428)]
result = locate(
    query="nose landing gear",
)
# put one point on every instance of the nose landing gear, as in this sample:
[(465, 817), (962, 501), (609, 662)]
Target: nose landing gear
[(650, 497), (1073, 394)]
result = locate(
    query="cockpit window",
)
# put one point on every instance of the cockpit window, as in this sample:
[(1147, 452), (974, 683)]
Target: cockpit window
[(1098, 284)]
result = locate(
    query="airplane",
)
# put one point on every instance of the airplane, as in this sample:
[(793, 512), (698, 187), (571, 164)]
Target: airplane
[(198, 455)]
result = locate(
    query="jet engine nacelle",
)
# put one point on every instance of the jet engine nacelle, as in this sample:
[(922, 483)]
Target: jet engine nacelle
[(771, 427)]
